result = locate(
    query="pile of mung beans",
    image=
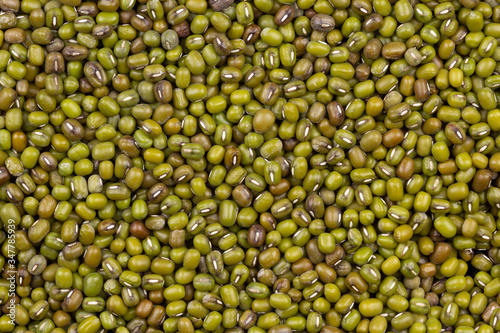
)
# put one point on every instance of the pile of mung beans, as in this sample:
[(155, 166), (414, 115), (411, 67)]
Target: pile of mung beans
[(280, 166)]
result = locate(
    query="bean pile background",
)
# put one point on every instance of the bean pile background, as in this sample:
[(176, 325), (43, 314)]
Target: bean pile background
[(262, 166)]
